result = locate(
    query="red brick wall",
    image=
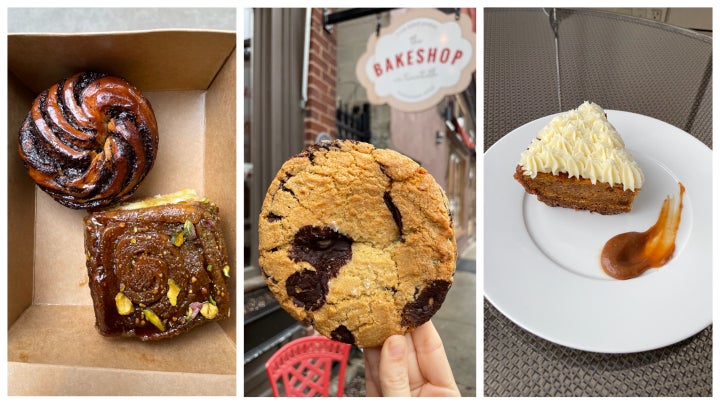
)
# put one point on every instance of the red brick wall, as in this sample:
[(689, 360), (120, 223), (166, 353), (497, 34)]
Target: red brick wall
[(320, 108)]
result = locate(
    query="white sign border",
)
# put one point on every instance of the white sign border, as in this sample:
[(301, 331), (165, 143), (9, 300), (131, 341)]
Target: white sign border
[(398, 21)]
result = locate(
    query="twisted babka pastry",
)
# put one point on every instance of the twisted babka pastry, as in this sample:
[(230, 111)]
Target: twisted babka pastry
[(89, 140), (157, 267)]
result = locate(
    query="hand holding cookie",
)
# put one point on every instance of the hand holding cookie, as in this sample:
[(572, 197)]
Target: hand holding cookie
[(412, 365)]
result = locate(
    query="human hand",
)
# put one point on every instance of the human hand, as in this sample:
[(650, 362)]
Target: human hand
[(411, 365)]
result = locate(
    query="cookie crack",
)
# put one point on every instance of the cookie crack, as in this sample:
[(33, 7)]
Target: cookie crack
[(284, 188)]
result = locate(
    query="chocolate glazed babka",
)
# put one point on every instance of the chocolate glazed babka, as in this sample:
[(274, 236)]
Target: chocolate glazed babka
[(89, 140), (157, 267)]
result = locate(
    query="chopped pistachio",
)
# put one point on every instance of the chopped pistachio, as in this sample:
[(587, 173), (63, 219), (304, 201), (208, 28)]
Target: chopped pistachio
[(209, 310), (179, 239), (133, 240), (209, 267), (173, 291), (123, 304), (150, 315), (192, 312), (206, 200), (189, 230), (226, 271), (212, 301)]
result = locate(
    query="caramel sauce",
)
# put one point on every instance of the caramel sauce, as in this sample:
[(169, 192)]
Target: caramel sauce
[(630, 254)]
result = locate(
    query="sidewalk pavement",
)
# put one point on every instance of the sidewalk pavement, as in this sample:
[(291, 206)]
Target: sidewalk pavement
[(456, 324)]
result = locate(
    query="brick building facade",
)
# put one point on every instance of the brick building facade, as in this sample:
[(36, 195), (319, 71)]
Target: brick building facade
[(320, 107)]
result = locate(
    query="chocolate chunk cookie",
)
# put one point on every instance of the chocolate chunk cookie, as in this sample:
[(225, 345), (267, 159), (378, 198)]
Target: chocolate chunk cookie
[(357, 241)]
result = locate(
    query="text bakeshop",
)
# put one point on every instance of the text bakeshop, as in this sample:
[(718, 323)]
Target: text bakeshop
[(418, 56)]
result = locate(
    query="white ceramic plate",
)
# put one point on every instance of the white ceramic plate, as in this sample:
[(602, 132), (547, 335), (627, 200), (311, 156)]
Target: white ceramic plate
[(542, 264)]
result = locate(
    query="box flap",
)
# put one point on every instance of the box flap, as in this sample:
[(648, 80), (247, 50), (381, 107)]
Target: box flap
[(188, 60), (220, 167)]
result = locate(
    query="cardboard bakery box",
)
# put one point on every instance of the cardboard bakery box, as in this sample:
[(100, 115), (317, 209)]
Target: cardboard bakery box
[(53, 347)]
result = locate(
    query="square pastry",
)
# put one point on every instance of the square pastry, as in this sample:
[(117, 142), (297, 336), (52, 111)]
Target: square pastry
[(157, 267)]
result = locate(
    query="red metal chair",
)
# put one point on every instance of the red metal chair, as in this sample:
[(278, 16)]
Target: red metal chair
[(305, 367)]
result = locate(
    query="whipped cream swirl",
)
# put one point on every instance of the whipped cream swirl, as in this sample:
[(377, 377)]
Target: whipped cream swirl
[(582, 143)]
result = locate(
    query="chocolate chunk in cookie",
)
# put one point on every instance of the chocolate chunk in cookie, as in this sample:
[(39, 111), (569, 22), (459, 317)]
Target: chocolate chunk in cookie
[(324, 248), (429, 300), (342, 334)]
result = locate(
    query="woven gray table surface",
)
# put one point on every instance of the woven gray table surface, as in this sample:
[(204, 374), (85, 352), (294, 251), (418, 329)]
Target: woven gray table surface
[(518, 363), (621, 63)]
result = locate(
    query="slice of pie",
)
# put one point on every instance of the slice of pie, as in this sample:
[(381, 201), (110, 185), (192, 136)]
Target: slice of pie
[(579, 161)]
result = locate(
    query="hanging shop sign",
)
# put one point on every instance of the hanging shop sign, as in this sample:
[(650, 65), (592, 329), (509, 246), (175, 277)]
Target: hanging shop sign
[(417, 60)]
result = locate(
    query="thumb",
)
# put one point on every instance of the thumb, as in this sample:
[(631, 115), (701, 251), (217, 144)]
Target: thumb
[(393, 370)]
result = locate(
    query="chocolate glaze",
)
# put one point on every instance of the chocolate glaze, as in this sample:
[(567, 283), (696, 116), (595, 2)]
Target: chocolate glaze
[(143, 274), (327, 251), (426, 303), (83, 81), (89, 140), (132, 251)]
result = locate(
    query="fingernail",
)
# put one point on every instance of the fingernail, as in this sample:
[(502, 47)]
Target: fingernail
[(396, 347)]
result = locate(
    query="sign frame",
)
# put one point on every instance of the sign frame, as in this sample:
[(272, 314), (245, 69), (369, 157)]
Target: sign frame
[(371, 66)]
